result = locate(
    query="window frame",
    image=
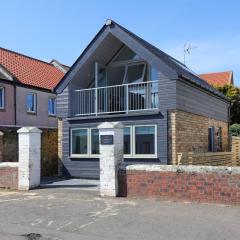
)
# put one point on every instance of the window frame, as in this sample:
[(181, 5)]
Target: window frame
[(55, 107), (34, 101), (89, 144), (133, 142), (3, 98)]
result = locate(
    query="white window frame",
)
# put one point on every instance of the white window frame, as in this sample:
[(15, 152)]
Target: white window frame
[(54, 99), (89, 144), (35, 102), (133, 143), (3, 98)]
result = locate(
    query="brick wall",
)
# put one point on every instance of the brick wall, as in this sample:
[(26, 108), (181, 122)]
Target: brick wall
[(185, 183), (189, 133), (9, 175)]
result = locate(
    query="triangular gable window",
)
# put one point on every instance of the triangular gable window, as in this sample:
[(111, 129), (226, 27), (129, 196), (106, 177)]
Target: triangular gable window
[(126, 54)]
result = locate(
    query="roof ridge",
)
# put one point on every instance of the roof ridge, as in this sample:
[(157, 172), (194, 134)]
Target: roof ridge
[(24, 55)]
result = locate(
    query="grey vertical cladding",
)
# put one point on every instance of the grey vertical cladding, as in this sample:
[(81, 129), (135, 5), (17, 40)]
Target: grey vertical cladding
[(63, 103), (195, 100)]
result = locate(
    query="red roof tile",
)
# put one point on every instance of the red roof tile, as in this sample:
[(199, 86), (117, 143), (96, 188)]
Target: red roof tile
[(29, 70), (218, 78)]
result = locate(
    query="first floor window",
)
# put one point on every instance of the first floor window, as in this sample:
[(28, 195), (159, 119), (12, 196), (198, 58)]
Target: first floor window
[(52, 106), (2, 97), (31, 102)]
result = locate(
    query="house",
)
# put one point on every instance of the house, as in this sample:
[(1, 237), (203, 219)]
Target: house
[(26, 95), (165, 107), (218, 79)]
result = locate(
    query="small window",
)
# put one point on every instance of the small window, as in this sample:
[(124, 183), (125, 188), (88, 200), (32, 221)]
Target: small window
[(2, 98), (52, 106), (211, 139), (79, 142), (135, 73), (31, 103)]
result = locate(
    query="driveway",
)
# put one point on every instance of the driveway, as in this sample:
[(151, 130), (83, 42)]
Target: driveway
[(73, 213)]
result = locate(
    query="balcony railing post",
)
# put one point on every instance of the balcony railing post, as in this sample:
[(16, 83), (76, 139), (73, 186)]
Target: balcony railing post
[(96, 101), (127, 98)]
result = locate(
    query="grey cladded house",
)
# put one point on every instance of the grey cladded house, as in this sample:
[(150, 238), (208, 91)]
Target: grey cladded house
[(165, 107)]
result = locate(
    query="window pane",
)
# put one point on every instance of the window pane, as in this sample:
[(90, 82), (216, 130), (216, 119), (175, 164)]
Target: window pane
[(31, 102), (127, 140), (95, 141), (1, 98), (51, 106), (126, 54), (134, 73), (154, 74), (79, 141), (145, 140)]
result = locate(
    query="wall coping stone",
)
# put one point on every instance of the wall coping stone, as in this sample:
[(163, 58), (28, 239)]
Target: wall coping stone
[(181, 169), (8, 164), (29, 130)]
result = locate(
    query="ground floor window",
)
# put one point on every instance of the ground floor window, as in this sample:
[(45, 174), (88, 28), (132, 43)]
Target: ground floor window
[(140, 141), (84, 142)]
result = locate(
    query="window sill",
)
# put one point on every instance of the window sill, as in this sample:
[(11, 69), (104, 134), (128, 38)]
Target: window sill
[(52, 116), (2, 109), (31, 113)]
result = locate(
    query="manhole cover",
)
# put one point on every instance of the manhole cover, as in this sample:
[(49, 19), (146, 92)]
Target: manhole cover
[(32, 236)]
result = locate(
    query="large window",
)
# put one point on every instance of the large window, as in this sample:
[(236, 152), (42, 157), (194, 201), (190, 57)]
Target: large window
[(31, 103), (52, 106), (2, 98), (84, 142), (140, 141)]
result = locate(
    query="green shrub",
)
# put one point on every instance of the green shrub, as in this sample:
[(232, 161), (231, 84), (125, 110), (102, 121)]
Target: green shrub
[(235, 130)]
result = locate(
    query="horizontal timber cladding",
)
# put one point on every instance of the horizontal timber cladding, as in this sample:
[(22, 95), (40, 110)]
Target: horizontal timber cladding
[(89, 167), (194, 100)]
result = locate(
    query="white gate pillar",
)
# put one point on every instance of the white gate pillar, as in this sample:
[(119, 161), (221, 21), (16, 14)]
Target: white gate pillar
[(29, 142), (111, 156)]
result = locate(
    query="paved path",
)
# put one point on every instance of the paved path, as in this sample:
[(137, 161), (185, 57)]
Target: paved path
[(69, 214)]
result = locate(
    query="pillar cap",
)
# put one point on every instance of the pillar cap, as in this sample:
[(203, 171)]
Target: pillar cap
[(108, 125), (1, 133), (29, 130)]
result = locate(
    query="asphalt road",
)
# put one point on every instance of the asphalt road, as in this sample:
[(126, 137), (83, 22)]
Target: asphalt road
[(69, 214)]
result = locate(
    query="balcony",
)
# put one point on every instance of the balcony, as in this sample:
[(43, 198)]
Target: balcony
[(118, 99)]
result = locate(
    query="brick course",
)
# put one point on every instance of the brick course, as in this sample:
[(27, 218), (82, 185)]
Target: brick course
[(9, 177), (188, 132), (210, 186)]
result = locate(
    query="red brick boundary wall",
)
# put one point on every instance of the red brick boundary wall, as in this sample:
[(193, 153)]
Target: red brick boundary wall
[(185, 183), (9, 175)]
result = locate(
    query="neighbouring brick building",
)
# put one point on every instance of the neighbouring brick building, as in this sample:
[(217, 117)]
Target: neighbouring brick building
[(27, 99), (166, 109)]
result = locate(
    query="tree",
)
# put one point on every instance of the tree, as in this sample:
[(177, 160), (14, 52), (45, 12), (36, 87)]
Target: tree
[(233, 93)]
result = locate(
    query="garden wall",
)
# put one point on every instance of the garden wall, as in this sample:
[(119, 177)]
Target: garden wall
[(9, 175), (185, 183)]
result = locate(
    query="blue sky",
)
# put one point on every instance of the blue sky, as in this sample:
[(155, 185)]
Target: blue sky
[(61, 29)]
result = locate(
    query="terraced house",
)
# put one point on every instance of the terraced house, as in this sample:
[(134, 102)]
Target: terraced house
[(26, 96), (165, 107)]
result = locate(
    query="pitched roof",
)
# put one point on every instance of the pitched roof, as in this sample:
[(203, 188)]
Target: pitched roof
[(218, 78), (182, 71), (30, 71)]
